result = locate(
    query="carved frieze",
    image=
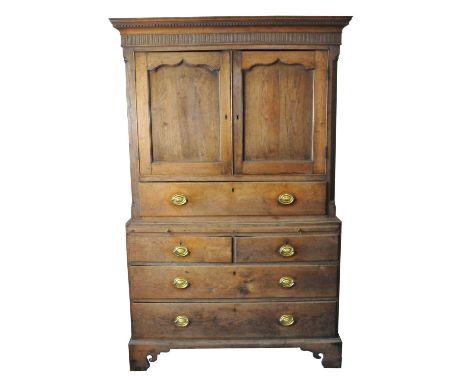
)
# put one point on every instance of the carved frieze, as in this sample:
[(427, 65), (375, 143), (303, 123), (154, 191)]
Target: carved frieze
[(269, 38)]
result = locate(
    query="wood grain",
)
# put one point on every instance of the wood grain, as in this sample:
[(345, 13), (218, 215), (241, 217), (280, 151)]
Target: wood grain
[(320, 111), (232, 281), (215, 199), (277, 112), (143, 113), (280, 104), (318, 247), (234, 320), (148, 247), (185, 114)]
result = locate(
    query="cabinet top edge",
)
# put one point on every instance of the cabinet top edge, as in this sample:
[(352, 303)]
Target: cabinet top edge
[(231, 21)]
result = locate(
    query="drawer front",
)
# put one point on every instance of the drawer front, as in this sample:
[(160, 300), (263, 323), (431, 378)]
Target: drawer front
[(232, 281), (174, 249), (234, 320), (217, 199), (317, 247)]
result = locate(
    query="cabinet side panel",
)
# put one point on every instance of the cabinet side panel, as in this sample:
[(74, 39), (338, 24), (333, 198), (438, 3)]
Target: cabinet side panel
[(129, 58)]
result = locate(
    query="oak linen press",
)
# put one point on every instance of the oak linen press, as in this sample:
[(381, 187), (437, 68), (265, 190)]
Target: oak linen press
[(233, 240)]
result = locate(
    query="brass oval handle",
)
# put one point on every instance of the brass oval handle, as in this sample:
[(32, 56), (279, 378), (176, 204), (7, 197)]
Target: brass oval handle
[(180, 251), (286, 250), (286, 320), (286, 198), (179, 199), (181, 321), (180, 283), (286, 282)]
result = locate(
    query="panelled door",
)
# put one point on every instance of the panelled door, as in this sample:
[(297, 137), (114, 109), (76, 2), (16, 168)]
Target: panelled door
[(280, 112), (184, 113)]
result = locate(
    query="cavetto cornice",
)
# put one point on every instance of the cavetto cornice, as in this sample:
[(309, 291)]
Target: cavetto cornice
[(250, 21)]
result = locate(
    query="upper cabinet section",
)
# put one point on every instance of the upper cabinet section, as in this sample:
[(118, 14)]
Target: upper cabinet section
[(279, 122), (280, 107), (232, 98), (183, 109)]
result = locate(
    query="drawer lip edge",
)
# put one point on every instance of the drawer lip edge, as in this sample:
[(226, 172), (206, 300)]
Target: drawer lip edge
[(257, 300), (226, 225)]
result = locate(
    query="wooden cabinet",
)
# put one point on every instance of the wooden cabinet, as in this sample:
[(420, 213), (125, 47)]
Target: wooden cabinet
[(233, 240)]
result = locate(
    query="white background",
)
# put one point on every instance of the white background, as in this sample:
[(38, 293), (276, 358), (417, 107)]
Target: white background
[(401, 193)]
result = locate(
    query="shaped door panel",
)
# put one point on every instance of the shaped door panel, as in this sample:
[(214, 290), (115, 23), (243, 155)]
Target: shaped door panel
[(280, 102), (183, 107)]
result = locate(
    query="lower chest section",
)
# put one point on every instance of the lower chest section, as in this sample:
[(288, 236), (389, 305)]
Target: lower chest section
[(258, 283)]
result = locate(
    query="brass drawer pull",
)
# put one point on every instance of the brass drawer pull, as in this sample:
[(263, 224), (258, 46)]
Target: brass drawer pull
[(181, 283), (286, 250), (286, 198), (286, 282), (180, 251), (178, 199), (286, 320), (181, 321)]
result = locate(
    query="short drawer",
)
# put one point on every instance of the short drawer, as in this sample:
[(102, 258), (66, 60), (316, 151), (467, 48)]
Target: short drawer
[(235, 198), (148, 247), (234, 320), (232, 281), (316, 247)]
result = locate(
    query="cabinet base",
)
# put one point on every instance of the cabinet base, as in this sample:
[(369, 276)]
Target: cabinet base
[(142, 352)]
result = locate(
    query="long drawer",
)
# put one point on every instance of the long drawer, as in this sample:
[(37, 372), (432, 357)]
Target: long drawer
[(147, 247), (232, 281), (234, 320), (232, 198)]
